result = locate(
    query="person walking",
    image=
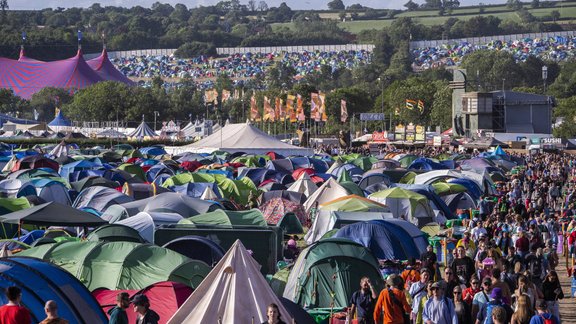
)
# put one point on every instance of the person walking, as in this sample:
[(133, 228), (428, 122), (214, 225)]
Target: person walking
[(496, 299), (362, 302), (118, 313), (142, 308), (417, 292), (51, 309), (543, 316), (392, 307), (552, 291), (439, 309), (12, 312), (523, 312), (462, 309), (273, 315)]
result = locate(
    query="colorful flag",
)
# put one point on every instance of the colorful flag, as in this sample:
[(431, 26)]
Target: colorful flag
[(236, 95), (410, 104), (300, 109), (421, 106), (254, 113), (225, 95), (290, 111), (322, 110), (279, 109), (343, 111), (315, 107), (269, 114)]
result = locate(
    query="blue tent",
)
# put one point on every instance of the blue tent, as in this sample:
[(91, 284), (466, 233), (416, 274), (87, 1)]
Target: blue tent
[(158, 169), (473, 189), (60, 120), (47, 189), (426, 164), (196, 189), (387, 239), (259, 175), (197, 248), (152, 150), (354, 171), (428, 192), (499, 151), (41, 281), (67, 169)]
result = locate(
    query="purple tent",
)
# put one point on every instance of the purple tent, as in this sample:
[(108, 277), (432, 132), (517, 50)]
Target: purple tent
[(106, 69)]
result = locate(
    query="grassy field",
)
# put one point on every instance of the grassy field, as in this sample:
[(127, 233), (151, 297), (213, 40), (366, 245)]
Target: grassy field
[(430, 17)]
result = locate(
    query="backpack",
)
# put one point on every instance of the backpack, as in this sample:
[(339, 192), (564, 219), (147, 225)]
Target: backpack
[(489, 307), (547, 320)]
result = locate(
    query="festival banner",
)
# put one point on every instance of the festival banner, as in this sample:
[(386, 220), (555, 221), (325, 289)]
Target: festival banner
[(322, 110), (410, 104), (254, 113), (225, 95), (343, 111), (420, 133), (290, 111), (410, 132), (399, 132), (300, 108), (269, 114)]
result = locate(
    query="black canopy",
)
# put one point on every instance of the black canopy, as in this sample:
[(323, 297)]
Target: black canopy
[(53, 214)]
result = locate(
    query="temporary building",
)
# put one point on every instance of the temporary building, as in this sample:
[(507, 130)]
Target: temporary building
[(390, 239), (329, 191), (165, 297), (41, 281), (405, 204), (328, 272), (245, 138), (327, 221), (233, 292), (121, 265), (60, 123)]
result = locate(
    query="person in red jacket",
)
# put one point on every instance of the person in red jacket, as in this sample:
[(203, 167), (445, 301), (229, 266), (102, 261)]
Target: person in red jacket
[(13, 313)]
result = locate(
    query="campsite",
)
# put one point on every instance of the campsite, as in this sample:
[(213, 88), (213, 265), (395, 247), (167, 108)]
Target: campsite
[(202, 229)]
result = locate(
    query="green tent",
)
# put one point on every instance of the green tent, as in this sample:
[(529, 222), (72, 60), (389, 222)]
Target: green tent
[(227, 217), (352, 188), (344, 177), (407, 159), (444, 189), (364, 162), (291, 224), (406, 204), (353, 203), (408, 178), (251, 161), (331, 267), (115, 233), (120, 265), (187, 177), (133, 169)]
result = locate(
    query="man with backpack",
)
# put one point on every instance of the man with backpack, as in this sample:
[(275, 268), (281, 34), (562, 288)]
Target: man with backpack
[(485, 314), (542, 316), (535, 264)]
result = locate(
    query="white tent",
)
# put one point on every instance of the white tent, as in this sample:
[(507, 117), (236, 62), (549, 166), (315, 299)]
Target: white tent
[(240, 138), (233, 292), (59, 150), (208, 194), (328, 191), (327, 220), (303, 185)]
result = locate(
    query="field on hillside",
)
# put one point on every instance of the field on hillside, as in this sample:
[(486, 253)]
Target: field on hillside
[(431, 18)]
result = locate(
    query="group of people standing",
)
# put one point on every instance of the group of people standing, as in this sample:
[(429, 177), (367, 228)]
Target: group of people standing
[(503, 269)]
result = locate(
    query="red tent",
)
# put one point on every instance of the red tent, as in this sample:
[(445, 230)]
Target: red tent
[(165, 299)]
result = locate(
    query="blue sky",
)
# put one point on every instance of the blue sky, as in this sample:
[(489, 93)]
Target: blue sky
[(294, 4)]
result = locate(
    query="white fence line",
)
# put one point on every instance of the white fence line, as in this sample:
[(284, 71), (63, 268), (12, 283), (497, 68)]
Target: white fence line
[(241, 50), (487, 39)]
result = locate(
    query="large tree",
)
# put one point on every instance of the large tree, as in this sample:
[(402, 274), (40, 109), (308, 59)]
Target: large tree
[(336, 5)]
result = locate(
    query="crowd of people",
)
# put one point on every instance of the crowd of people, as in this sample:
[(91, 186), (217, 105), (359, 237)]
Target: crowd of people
[(237, 66), (557, 49), (503, 269)]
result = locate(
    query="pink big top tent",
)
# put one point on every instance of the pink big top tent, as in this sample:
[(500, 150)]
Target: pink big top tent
[(106, 69), (27, 76)]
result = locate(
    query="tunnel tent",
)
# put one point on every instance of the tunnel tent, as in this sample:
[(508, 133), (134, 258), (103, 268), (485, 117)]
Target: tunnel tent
[(41, 281), (328, 220), (114, 233), (197, 248), (251, 217), (119, 265)]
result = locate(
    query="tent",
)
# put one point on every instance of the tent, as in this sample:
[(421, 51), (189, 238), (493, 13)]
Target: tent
[(405, 204), (111, 133), (241, 138), (285, 194), (233, 292), (197, 248), (60, 121), (390, 239), (143, 131), (106, 70), (35, 162), (251, 217), (353, 203), (47, 189), (100, 198), (52, 214), (41, 281), (72, 73), (303, 185), (115, 233), (329, 191), (276, 209), (121, 265), (327, 221), (165, 297), (331, 267)]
